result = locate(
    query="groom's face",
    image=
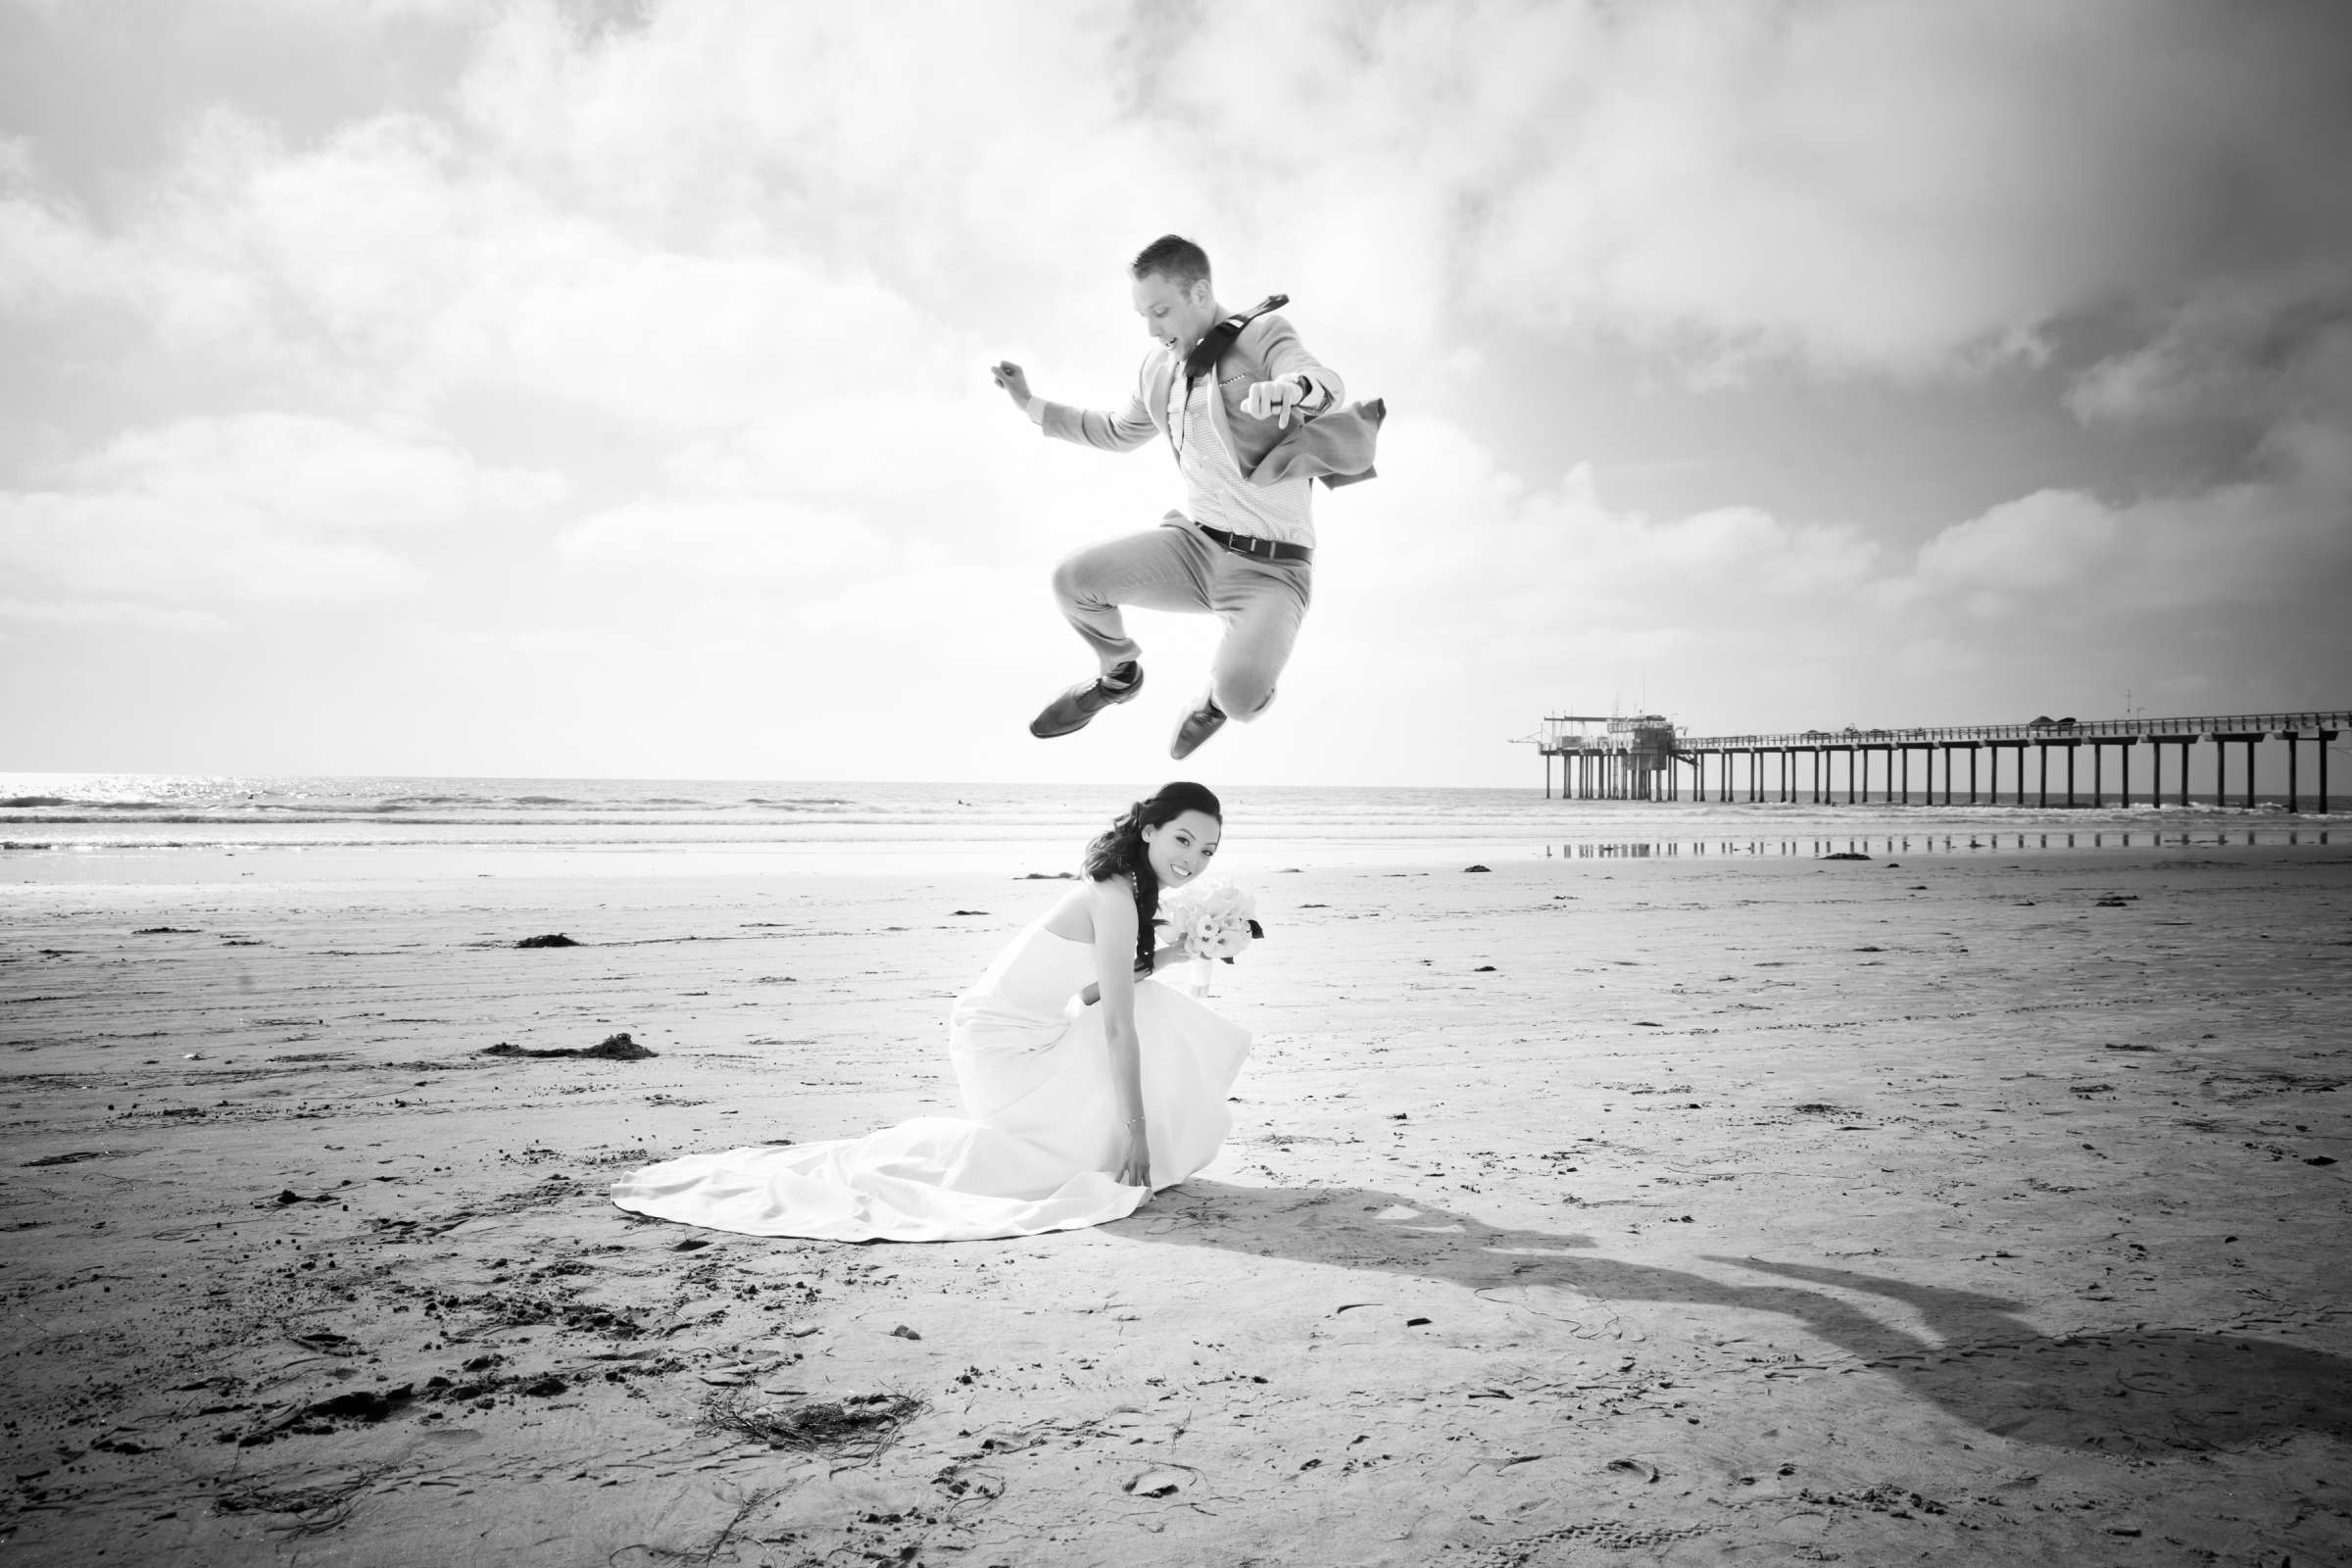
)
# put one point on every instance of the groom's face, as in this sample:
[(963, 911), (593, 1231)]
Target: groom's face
[(1175, 313)]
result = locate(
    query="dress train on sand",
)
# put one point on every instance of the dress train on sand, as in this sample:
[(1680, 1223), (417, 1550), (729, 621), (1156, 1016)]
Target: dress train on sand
[(1036, 1147)]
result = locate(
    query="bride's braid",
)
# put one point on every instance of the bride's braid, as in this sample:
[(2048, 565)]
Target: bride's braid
[(1121, 850)]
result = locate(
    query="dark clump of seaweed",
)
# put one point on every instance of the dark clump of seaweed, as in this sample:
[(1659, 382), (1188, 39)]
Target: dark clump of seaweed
[(859, 1428), (613, 1047), (370, 1406)]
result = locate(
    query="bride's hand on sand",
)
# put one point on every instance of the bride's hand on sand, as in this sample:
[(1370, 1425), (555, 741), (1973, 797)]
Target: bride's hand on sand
[(1013, 381), (1135, 1163)]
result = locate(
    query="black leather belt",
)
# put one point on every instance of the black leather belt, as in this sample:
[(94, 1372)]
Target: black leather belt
[(1242, 544)]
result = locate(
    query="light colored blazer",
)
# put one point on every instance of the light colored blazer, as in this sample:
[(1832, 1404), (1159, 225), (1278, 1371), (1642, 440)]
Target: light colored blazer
[(1334, 444)]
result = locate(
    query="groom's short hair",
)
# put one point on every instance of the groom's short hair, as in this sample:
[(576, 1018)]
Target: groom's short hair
[(1174, 258)]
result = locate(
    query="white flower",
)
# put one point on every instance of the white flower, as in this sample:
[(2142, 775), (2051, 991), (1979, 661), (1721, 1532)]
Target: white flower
[(1210, 919)]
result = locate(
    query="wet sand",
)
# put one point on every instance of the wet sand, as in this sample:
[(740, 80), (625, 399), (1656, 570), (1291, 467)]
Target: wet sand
[(1961, 1209)]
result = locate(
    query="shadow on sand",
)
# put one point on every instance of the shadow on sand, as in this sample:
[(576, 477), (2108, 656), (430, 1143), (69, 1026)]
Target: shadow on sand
[(2145, 1390)]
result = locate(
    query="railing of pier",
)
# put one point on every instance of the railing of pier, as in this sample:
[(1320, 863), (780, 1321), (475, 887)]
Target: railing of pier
[(2054, 732)]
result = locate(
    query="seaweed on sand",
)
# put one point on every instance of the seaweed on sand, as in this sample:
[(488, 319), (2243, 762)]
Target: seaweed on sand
[(859, 1428), (613, 1047)]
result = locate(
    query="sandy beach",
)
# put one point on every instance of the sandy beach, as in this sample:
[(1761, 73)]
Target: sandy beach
[(1952, 1209)]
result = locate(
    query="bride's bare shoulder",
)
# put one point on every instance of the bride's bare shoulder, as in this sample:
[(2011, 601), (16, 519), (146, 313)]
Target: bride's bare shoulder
[(1113, 900), (1079, 911), (1111, 907)]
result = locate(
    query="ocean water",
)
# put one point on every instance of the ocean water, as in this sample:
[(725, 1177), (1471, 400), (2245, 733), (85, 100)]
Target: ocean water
[(49, 822)]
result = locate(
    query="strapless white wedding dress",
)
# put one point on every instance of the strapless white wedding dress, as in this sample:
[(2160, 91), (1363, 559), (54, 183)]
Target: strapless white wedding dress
[(1036, 1148)]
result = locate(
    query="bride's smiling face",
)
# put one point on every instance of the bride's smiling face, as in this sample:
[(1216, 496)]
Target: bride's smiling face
[(1181, 847)]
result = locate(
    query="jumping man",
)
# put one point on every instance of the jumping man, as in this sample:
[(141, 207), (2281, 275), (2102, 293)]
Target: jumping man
[(1252, 419)]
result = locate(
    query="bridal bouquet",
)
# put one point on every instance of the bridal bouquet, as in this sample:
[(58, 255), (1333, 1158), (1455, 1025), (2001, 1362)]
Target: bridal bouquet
[(1210, 920)]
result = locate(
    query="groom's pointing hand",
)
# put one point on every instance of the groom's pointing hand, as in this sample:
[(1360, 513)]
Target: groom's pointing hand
[(1277, 397)]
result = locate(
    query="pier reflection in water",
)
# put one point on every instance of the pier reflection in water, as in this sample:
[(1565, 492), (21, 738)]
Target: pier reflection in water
[(1946, 844)]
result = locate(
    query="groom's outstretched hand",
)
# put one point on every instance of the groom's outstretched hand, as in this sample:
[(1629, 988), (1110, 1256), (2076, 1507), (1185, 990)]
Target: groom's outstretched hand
[(1015, 383)]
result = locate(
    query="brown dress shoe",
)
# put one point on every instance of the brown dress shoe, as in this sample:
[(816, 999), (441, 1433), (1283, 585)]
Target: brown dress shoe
[(1067, 713), (1197, 726)]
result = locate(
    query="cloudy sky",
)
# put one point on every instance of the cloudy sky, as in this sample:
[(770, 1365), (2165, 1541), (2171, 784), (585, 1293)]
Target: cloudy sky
[(544, 389)]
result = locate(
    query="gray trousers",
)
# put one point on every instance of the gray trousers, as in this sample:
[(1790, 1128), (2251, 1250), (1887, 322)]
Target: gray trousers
[(1176, 566)]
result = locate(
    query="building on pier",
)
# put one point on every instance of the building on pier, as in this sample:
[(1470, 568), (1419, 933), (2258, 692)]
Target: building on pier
[(1626, 758), (1645, 757)]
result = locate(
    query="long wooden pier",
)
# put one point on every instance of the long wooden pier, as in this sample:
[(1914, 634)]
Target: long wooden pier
[(1644, 758)]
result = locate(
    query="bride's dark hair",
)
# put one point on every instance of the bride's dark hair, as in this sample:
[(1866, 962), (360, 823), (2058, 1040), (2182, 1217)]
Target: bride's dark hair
[(1121, 849)]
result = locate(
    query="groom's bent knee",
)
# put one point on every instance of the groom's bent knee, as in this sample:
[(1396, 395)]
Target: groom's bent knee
[(1072, 583), (1243, 694)]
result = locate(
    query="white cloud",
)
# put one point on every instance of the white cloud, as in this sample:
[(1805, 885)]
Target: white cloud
[(688, 217), (732, 210), (1445, 530), (306, 473), (2256, 350), (2256, 544), (1871, 186), (155, 550), (256, 506), (570, 310), (47, 256), (855, 445), (390, 259), (937, 142), (2050, 539), (2280, 535), (108, 613), (727, 540)]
